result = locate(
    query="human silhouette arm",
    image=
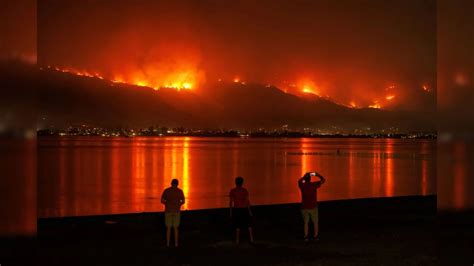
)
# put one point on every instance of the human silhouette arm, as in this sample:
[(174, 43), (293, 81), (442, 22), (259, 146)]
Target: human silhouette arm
[(182, 199), (231, 203), (248, 205), (301, 180), (322, 179), (163, 197)]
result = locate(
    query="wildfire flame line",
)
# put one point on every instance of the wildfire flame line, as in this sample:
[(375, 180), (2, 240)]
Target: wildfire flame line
[(187, 80), (182, 80)]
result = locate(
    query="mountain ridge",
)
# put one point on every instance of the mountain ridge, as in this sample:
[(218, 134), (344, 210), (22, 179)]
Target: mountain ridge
[(64, 99)]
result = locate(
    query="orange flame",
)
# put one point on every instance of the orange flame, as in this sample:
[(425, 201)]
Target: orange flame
[(390, 97), (308, 87), (375, 105), (77, 72), (180, 80), (308, 90)]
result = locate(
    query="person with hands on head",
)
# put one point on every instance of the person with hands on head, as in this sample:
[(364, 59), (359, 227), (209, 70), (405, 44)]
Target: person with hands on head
[(309, 200)]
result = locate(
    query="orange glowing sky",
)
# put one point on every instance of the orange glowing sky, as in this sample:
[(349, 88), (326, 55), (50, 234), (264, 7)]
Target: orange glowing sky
[(357, 55)]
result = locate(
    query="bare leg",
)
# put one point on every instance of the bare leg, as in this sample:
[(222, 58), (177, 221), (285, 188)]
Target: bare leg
[(175, 236), (305, 229), (250, 235), (316, 229), (237, 236), (168, 234)]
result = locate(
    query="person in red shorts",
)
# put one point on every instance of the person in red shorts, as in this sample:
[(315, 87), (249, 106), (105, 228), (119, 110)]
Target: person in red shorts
[(309, 198), (240, 212)]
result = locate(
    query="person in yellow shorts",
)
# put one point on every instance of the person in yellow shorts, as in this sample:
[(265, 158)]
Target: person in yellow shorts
[(309, 200), (172, 198)]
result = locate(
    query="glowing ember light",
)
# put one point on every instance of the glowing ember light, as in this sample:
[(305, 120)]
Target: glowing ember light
[(187, 86), (118, 80), (308, 86), (390, 97), (140, 83), (375, 105), (184, 80), (308, 90), (352, 104), (76, 72), (425, 88), (236, 79), (179, 86)]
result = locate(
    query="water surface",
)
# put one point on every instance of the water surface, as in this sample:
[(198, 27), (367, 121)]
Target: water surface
[(93, 175)]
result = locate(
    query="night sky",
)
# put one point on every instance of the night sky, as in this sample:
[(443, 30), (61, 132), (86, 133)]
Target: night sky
[(352, 51), (18, 29)]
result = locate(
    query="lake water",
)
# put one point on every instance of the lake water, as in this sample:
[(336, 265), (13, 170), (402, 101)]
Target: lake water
[(92, 175)]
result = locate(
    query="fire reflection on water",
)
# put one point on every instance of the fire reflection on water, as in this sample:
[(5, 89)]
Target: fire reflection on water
[(455, 168), (88, 176), (185, 173), (305, 157), (459, 175), (376, 169), (424, 171), (389, 183), (351, 172)]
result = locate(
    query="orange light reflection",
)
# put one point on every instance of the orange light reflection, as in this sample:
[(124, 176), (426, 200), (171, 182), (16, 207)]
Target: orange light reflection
[(376, 171), (304, 157), (138, 175), (351, 170), (115, 178), (185, 171), (459, 175), (424, 171), (389, 189)]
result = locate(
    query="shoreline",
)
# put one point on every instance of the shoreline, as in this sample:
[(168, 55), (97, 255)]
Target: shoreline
[(388, 231), (336, 136), (322, 204)]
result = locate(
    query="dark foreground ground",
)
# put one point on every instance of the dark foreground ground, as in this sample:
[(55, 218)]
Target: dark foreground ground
[(388, 231)]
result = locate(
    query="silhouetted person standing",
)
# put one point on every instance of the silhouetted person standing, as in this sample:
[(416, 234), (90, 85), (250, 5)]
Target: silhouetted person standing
[(309, 198), (240, 209), (172, 198)]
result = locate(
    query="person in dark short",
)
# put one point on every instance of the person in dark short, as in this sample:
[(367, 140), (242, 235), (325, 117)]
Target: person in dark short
[(309, 202), (172, 198), (240, 211)]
